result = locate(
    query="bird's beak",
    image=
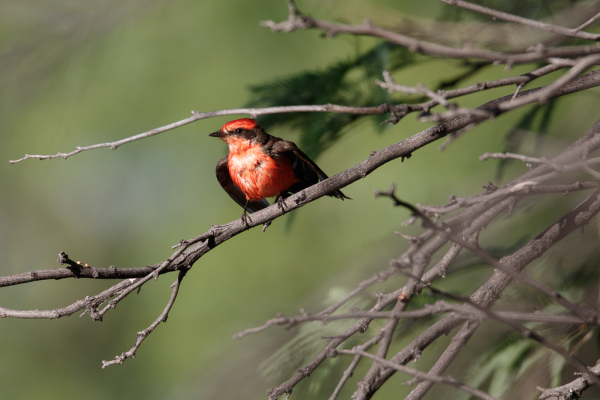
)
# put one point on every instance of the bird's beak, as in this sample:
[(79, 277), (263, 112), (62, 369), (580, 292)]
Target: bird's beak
[(218, 134)]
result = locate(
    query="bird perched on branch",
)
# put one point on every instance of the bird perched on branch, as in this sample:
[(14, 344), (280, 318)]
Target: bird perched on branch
[(260, 165)]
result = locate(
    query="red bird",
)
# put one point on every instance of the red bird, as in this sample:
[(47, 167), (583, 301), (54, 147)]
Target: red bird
[(260, 165)]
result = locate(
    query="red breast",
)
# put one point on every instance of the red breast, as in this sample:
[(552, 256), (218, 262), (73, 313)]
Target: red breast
[(255, 173)]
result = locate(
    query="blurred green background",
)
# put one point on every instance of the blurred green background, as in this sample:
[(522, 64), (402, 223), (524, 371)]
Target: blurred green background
[(76, 73)]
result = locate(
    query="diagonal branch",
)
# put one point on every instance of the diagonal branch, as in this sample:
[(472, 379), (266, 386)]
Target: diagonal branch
[(587, 23), (524, 21), (350, 370), (572, 390), (420, 375)]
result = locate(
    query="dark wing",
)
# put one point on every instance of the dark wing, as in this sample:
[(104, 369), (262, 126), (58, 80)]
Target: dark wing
[(305, 169), (234, 191)]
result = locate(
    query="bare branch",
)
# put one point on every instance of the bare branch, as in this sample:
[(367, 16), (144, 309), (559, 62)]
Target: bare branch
[(488, 213), (392, 87), (334, 108), (587, 23), (439, 307), (144, 334), (527, 188), (89, 303), (402, 110), (377, 278), (489, 292), (543, 95), (80, 272), (349, 371), (419, 374), (473, 247), (529, 183), (297, 21), (519, 98), (572, 390), (531, 161), (138, 283), (467, 331), (524, 21)]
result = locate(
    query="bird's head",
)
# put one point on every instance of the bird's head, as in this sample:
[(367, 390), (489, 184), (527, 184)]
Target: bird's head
[(238, 130)]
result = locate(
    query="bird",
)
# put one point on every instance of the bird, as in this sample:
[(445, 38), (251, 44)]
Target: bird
[(260, 165)]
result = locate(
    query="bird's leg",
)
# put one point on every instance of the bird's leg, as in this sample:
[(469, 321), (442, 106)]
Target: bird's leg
[(245, 217), (280, 201)]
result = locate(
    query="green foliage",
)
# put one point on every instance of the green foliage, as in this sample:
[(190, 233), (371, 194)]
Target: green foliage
[(347, 83)]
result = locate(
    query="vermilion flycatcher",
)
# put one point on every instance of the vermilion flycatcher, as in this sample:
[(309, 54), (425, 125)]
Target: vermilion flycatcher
[(260, 165)]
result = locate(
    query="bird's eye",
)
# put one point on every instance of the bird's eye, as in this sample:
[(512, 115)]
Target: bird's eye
[(238, 130)]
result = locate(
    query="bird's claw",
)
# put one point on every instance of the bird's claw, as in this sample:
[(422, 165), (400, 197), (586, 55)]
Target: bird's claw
[(280, 202), (246, 218)]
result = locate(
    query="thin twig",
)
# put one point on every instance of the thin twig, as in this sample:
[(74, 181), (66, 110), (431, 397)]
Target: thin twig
[(142, 335), (138, 283), (587, 23), (392, 87), (419, 374), (490, 291), (524, 21), (89, 303), (572, 390), (399, 110), (473, 247), (447, 357), (528, 333), (350, 370), (440, 307), (334, 108), (298, 21), (543, 95)]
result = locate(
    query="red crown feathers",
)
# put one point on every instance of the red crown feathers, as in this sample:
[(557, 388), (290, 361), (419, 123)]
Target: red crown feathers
[(244, 123)]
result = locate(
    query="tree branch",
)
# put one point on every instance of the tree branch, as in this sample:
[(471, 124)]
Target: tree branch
[(298, 21), (419, 374), (141, 336), (440, 307), (490, 292), (524, 21), (572, 390)]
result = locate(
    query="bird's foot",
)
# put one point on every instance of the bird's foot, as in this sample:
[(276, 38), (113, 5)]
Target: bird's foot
[(280, 202), (246, 219)]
